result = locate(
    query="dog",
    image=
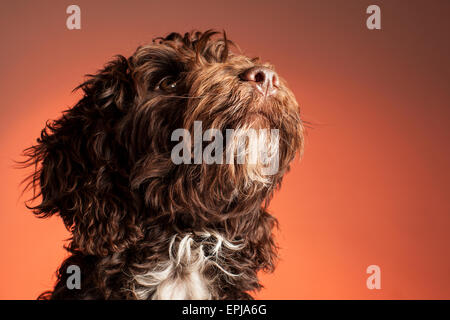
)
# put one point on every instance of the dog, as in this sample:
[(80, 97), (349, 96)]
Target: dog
[(143, 226)]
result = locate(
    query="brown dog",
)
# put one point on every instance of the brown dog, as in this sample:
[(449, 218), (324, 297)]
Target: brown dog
[(144, 226)]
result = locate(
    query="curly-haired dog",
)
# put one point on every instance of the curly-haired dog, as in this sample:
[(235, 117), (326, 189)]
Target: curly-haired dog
[(143, 226)]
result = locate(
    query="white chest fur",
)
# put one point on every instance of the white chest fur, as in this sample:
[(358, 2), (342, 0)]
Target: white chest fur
[(187, 273)]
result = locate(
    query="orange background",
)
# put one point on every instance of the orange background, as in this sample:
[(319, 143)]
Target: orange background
[(373, 187)]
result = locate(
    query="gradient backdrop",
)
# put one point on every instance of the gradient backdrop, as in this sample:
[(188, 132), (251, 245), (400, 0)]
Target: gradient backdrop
[(373, 187)]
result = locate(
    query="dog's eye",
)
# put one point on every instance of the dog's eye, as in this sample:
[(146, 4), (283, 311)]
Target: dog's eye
[(167, 84)]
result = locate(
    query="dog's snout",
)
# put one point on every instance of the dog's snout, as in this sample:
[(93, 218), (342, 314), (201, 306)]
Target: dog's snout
[(265, 79)]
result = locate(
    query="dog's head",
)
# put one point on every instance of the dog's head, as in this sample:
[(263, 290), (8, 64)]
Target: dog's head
[(137, 147)]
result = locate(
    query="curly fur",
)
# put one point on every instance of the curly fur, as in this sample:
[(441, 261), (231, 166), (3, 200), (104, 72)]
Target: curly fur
[(140, 224)]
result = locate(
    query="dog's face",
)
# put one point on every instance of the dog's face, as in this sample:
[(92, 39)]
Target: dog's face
[(112, 155)]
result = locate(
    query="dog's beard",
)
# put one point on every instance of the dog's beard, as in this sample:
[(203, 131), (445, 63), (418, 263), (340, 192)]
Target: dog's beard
[(267, 132)]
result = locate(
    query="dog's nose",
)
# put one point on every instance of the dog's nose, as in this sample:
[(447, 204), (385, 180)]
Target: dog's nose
[(266, 80)]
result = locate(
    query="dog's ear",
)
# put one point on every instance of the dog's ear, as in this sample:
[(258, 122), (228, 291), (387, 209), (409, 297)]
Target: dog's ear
[(80, 166)]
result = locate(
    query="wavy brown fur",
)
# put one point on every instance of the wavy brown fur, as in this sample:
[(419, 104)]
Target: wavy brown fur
[(105, 166)]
